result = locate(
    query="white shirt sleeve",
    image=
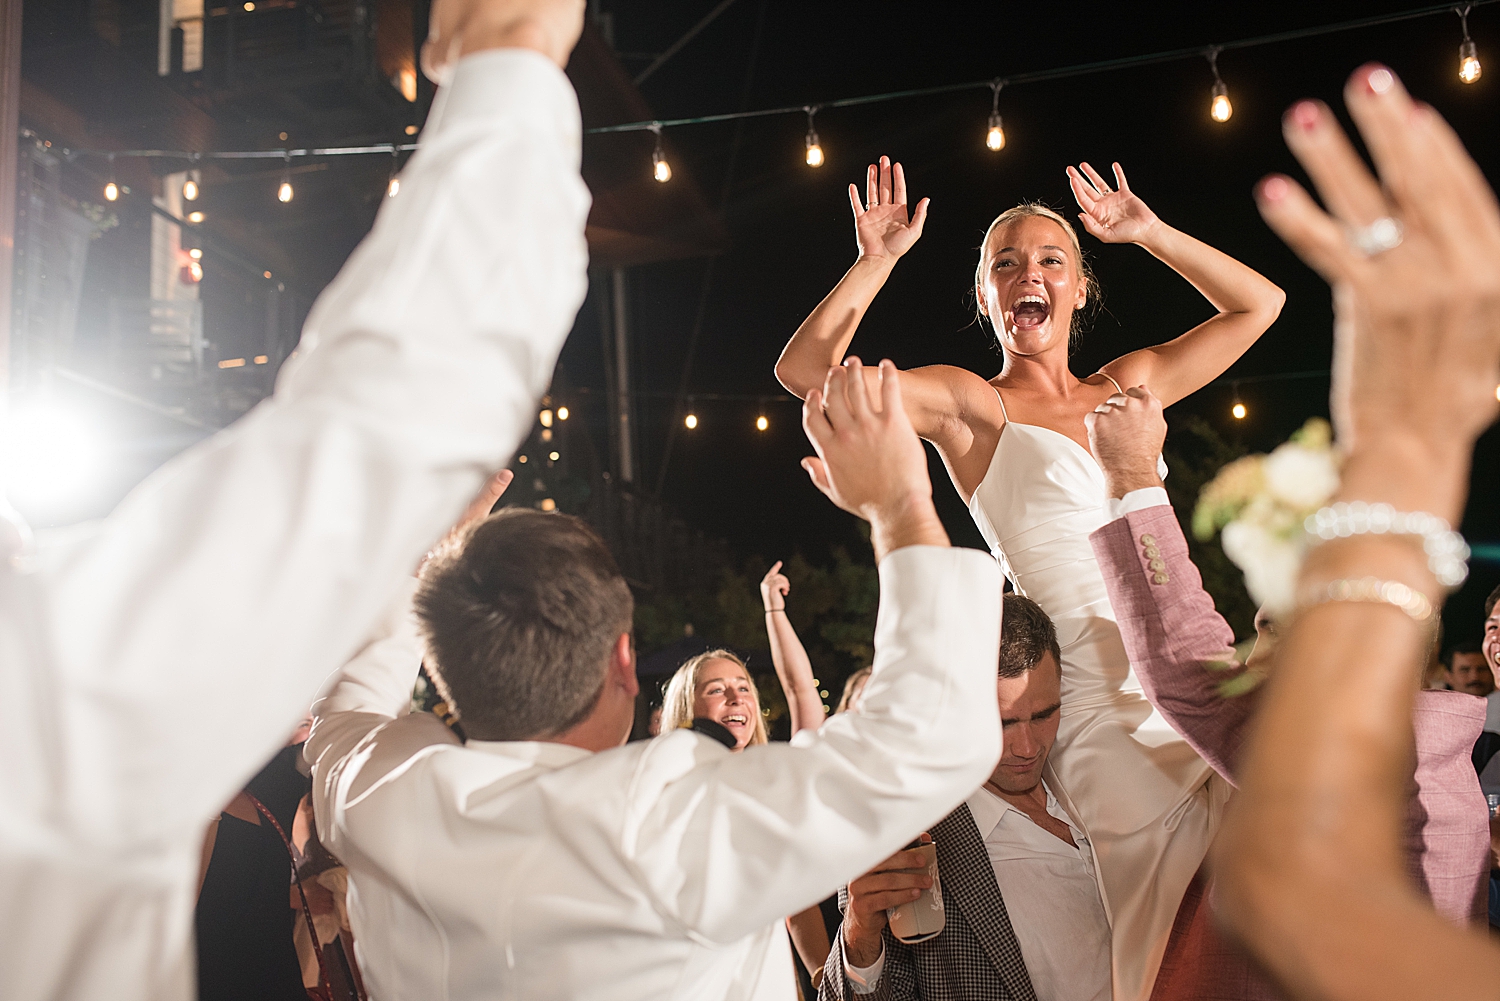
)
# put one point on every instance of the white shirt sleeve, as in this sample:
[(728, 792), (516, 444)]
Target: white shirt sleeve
[(182, 638), (726, 844), (1116, 508), (864, 979)]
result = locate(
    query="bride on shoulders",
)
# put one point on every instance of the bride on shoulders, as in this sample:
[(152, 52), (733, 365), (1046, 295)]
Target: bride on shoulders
[(1016, 446), (1031, 284)]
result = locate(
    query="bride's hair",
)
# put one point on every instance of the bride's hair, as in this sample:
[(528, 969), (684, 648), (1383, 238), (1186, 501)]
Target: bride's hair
[(1091, 291)]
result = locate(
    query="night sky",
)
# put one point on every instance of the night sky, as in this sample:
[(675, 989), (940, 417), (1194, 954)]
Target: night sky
[(792, 235)]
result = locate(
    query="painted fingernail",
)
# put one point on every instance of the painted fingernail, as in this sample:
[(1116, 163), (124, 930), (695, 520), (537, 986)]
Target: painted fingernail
[(1380, 80), (1305, 114), (1274, 189)]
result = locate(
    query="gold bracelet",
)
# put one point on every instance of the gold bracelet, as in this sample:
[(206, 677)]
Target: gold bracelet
[(1370, 589)]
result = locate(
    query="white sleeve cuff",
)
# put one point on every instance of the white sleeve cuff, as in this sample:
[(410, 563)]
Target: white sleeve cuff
[(864, 979), (1136, 500)]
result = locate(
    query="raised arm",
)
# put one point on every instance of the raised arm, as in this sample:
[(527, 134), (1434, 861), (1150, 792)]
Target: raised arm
[(1247, 302), (883, 232), (789, 655), (244, 572), (1180, 646), (1310, 864), (809, 816)]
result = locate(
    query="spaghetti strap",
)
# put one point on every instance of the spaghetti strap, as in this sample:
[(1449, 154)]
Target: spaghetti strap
[(1002, 402), (1112, 380)]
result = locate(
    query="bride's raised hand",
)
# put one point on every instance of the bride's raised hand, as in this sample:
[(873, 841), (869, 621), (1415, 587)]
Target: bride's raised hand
[(1114, 216), (881, 226)]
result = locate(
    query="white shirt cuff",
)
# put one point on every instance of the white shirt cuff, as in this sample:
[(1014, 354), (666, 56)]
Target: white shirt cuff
[(864, 979), (1136, 500)]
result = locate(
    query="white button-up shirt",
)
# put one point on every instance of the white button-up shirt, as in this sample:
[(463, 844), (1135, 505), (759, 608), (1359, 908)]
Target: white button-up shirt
[(152, 662), (1051, 893), (657, 871)]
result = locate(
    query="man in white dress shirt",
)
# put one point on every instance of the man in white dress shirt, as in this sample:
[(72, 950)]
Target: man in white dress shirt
[(542, 859), (1025, 918), (152, 662)]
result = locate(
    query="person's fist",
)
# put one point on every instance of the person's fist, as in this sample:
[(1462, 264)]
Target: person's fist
[(1126, 433), (459, 27)]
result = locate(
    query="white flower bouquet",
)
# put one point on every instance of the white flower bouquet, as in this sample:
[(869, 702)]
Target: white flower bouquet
[(1260, 503)]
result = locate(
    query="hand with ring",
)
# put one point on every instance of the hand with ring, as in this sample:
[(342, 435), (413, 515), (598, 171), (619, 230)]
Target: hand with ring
[(1414, 260)]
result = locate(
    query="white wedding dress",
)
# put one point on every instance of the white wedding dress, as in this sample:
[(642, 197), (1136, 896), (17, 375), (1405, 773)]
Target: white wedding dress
[(1141, 794)]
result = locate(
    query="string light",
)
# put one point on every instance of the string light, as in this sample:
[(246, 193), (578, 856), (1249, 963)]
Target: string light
[(995, 137), (546, 418), (1238, 410), (1219, 108), (393, 185), (196, 254), (111, 190), (691, 420), (284, 193), (553, 456), (814, 148), (195, 217), (1469, 69), (190, 190), (562, 413), (761, 424), (660, 168)]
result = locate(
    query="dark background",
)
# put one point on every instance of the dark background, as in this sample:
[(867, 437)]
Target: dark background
[(792, 237), (788, 227)]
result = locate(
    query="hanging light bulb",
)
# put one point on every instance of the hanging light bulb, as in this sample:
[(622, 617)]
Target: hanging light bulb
[(994, 138), (1238, 410), (814, 148), (111, 189), (660, 168), (190, 190), (761, 423), (691, 420), (1219, 108), (1469, 69), (393, 185), (284, 193), (562, 413)]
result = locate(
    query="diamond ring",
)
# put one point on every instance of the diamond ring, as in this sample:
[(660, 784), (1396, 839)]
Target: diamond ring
[(1381, 235)]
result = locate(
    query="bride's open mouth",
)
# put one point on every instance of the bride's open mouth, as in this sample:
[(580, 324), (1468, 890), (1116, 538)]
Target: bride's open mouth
[(1029, 312), (734, 720)]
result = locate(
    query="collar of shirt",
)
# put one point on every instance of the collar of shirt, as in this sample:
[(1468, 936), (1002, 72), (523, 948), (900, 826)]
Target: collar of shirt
[(989, 810)]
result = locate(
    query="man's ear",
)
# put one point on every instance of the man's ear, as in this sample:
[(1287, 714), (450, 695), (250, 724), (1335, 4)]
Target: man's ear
[(622, 665)]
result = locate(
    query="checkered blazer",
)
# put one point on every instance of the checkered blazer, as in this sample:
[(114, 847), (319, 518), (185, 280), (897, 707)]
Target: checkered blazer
[(976, 958)]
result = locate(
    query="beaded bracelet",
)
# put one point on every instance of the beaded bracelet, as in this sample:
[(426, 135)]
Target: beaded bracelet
[(1447, 553), (1371, 589)]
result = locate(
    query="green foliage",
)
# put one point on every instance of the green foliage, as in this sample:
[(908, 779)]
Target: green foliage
[(1195, 453)]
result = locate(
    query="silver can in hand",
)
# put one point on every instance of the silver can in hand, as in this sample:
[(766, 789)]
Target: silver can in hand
[(923, 918)]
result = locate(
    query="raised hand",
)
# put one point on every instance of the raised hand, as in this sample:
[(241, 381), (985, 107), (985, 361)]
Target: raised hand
[(774, 588), (479, 509), (1417, 324), (870, 462), (1126, 433), (881, 226), (1114, 216)]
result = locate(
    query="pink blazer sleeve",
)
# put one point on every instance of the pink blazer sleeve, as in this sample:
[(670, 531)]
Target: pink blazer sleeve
[(1172, 633)]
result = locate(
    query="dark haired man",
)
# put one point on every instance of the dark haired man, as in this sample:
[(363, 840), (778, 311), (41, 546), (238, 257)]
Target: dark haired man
[(1466, 669), (543, 860), (1024, 916)]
